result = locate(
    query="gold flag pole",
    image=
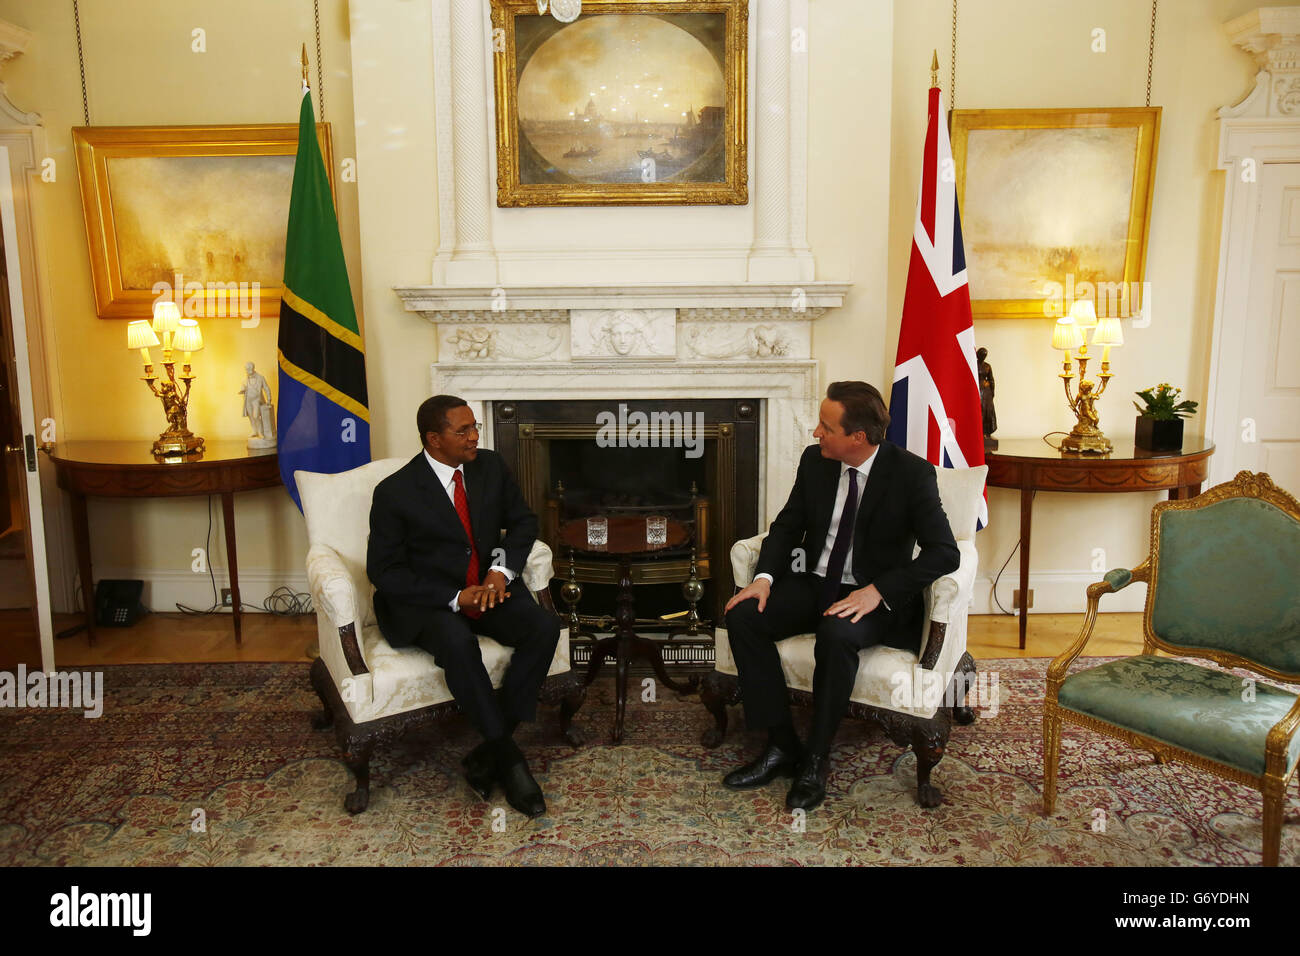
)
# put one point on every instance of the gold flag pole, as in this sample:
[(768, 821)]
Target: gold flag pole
[(304, 66), (934, 68)]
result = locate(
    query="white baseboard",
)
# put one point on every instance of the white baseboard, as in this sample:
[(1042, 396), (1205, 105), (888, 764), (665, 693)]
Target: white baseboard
[(1055, 592), (163, 590)]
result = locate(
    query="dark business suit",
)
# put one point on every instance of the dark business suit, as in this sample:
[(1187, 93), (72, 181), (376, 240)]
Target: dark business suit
[(417, 558), (899, 507)]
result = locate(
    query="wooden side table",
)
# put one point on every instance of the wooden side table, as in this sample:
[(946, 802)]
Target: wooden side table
[(1030, 464), (625, 537), (121, 469)]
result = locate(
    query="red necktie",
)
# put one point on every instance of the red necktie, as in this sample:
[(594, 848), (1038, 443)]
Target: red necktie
[(462, 509)]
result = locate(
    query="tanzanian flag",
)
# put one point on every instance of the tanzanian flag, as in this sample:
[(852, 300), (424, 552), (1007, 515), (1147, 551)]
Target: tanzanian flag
[(324, 410)]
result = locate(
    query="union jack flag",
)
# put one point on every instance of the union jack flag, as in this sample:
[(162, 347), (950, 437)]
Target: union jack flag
[(934, 408)]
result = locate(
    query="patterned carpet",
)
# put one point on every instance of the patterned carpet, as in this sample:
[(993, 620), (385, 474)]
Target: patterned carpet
[(234, 741)]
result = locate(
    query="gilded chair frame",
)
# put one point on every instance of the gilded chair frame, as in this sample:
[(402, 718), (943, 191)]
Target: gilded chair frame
[(1273, 782)]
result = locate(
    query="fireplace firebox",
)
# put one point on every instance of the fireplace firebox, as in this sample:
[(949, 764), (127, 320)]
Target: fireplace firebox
[(692, 460)]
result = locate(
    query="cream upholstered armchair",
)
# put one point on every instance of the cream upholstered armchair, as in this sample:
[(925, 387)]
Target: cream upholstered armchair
[(1221, 585), (913, 699), (372, 692)]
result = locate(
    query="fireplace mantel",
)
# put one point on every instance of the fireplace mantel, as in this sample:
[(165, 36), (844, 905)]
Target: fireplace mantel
[(740, 301)]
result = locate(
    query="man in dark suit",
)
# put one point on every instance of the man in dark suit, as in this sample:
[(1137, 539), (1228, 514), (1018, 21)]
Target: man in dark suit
[(442, 569), (838, 562)]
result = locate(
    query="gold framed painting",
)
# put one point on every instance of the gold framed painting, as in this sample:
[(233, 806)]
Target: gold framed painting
[(1055, 206), (629, 103), (197, 214)]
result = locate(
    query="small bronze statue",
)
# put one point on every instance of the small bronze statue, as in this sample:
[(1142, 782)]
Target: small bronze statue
[(987, 412)]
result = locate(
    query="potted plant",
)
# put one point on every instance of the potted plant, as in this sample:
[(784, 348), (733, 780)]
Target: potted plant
[(1160, 423)]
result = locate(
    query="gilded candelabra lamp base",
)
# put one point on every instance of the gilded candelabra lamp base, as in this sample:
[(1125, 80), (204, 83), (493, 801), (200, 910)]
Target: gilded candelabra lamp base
[(1086, 438), (171, 444)]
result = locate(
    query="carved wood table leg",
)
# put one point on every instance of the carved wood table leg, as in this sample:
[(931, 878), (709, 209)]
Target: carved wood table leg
[(650, 650), (1026, 521), (625, 634), (81, 534), (228, 513), (601, 650)]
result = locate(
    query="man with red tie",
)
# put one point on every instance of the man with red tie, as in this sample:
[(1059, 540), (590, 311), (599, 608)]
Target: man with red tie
[(443, 568), (838, 562)]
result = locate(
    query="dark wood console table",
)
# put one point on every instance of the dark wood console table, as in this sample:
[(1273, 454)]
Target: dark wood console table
[(625, 537), (1030, 464), (127, 469)]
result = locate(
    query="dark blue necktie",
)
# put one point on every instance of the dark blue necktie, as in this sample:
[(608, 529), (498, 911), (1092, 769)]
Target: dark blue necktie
[(843, 541)]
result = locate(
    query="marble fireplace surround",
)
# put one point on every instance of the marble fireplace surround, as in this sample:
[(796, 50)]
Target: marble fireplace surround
[(639, 342)]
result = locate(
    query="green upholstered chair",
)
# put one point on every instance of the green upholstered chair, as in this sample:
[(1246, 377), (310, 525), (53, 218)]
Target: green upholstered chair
[(1221, 585)]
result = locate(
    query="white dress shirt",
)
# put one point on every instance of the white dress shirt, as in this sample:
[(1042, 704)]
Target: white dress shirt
[(841, 496), (446, 476)]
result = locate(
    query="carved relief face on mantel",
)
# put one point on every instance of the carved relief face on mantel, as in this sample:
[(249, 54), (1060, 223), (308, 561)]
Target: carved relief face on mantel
[(623, 333)]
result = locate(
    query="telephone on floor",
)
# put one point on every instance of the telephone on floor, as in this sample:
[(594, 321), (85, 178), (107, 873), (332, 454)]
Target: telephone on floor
[(117, 603)]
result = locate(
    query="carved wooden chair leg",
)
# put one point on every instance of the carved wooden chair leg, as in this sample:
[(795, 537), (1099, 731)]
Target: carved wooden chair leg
[(325, 719), (1274, 794), (928, 742), (1051, 757), (358, 761), (717, 691), (963, 680)]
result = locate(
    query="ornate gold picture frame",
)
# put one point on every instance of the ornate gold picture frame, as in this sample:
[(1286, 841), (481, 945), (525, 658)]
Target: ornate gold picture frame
[(196, 213), (1055, 205), (630, 103)]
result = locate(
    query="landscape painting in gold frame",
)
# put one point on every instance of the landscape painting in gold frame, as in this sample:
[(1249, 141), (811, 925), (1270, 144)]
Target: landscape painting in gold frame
[(1051, 199), (630, 103), (203, 206)]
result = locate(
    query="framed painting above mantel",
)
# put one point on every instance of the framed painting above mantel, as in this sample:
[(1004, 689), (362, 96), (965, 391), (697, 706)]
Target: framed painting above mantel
[(205, 207), (630, 103), (1055, 205)]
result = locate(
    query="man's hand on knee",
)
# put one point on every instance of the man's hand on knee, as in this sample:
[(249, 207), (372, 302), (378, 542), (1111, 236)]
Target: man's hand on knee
[(759, 588), (859, 603), (495, 583)]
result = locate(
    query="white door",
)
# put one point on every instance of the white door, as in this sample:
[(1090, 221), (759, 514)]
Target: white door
[(1268, 405), (23, 453)]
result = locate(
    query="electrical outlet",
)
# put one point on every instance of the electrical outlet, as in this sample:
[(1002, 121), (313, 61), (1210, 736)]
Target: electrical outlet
[(1015, 598), (227, 600)]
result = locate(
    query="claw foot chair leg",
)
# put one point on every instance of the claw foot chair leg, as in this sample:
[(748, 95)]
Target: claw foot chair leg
[(963, 713), (569, 705), (928, 745), (716, 692), (358, 761)]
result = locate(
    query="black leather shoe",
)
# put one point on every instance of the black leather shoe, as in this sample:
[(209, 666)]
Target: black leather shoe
[(773, 762), (522, 791), (809, 788), (479, 773)]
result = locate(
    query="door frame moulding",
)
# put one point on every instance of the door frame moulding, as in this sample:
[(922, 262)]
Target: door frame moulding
[(1263, 128)]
